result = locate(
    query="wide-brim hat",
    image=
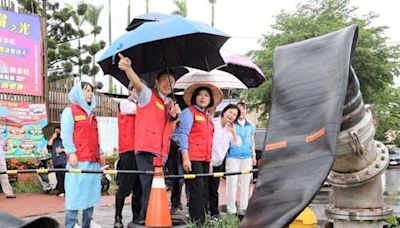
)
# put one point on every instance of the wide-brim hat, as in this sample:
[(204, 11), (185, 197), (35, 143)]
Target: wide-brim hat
[(216, 92)]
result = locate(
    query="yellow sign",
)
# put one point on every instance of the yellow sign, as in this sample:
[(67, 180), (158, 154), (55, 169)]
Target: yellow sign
[(159, 105), (80, 117), (200, 118)]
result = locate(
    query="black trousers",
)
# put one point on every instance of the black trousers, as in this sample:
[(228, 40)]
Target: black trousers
[(144, 162), (175, 168), (129, 183), (213, 185), (60, 178), (258, 158), (197, 192)]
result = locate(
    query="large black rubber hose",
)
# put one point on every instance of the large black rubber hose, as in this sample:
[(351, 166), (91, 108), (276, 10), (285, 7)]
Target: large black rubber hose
[(309, 89)]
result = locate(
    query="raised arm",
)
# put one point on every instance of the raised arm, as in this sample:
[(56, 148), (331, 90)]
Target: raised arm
[(125, 65)]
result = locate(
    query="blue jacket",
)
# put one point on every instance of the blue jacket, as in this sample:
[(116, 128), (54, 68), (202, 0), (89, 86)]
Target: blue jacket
[(81, 191), (246, 133)]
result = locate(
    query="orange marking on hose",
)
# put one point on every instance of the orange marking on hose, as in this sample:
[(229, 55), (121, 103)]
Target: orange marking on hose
[(276, 145), (316, 135)]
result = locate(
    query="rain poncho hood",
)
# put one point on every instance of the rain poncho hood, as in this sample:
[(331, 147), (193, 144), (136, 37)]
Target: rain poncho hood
[(76, 97)]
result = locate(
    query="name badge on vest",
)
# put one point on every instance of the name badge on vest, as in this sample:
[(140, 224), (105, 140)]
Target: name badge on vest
[(159, 105), (80, 118), (200, 118)]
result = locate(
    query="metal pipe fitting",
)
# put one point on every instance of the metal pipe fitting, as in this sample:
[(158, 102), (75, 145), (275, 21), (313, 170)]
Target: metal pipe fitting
[(357, 199)]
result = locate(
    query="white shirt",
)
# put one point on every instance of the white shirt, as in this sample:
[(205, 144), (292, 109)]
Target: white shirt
[(221, 140), (127, 107)]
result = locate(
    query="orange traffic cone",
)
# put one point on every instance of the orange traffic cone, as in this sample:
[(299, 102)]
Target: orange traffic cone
[(158, 214)]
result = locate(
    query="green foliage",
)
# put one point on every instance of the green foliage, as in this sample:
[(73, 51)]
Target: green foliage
[(392, 222), (64, 27), (397, 140), (32, 185), (374, 61), (387, 106), (228, 221), (181, 6), (99, 85)]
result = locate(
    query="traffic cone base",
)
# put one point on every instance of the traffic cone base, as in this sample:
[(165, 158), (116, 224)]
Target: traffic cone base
[(158, 214)]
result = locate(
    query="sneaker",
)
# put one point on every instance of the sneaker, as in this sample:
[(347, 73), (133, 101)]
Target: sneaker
[(118, 223), (10, 196), (61, 194), (215, 218), (174, 210), (77, 225), (255, 180), (240, 215)]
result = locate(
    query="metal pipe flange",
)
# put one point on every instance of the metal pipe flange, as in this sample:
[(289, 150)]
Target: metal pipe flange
[(379, 165)]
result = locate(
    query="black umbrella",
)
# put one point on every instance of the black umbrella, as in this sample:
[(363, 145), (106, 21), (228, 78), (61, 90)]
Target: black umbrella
[(150, 77), (174, 41), (137, 21), (244, 69)]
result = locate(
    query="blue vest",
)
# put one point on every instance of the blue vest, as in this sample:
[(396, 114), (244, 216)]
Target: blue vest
[(246, 133)]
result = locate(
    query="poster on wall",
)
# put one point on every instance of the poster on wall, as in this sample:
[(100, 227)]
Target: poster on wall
[(21, 124), (108, 134), (20, 54)]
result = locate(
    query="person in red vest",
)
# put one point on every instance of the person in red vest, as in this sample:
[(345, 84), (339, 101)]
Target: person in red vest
[(194, 135), (80, 137), (127, 183), (156, 116)]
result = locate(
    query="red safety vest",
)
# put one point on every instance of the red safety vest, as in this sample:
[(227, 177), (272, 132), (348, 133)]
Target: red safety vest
[(126, 133), (200, 136), (85, 136), (153, 129)]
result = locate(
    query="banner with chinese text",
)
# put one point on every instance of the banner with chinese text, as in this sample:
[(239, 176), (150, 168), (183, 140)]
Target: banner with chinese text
[(28, 140), (20, 54)]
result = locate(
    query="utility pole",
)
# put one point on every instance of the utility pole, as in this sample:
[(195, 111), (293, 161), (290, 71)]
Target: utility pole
[(110, 81), (109, 22), (147, 6), (129, 11), (212, 11)]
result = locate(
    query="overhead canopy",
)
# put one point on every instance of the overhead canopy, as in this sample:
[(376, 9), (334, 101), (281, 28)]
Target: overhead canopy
[(219, 78)]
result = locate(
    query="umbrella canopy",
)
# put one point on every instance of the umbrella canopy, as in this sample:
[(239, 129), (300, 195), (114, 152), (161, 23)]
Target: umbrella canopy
[(151, 77), (174, 41), (219, 78), (244, 69), (48, 130), (137, 21), (9, 119)]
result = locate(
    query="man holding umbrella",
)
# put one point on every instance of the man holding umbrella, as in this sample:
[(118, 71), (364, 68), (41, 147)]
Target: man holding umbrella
[(155, 118)]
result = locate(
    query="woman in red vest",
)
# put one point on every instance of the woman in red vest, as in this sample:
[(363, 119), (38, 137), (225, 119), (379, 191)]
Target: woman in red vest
[(80, 138), (194, 135), (156, 116), (127, 183)]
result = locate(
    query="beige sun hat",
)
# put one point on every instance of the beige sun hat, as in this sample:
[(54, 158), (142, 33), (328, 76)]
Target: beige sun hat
[(216, 92)]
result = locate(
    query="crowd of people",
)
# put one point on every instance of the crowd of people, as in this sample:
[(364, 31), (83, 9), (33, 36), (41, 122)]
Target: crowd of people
[(190, 141), (151, 124)]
